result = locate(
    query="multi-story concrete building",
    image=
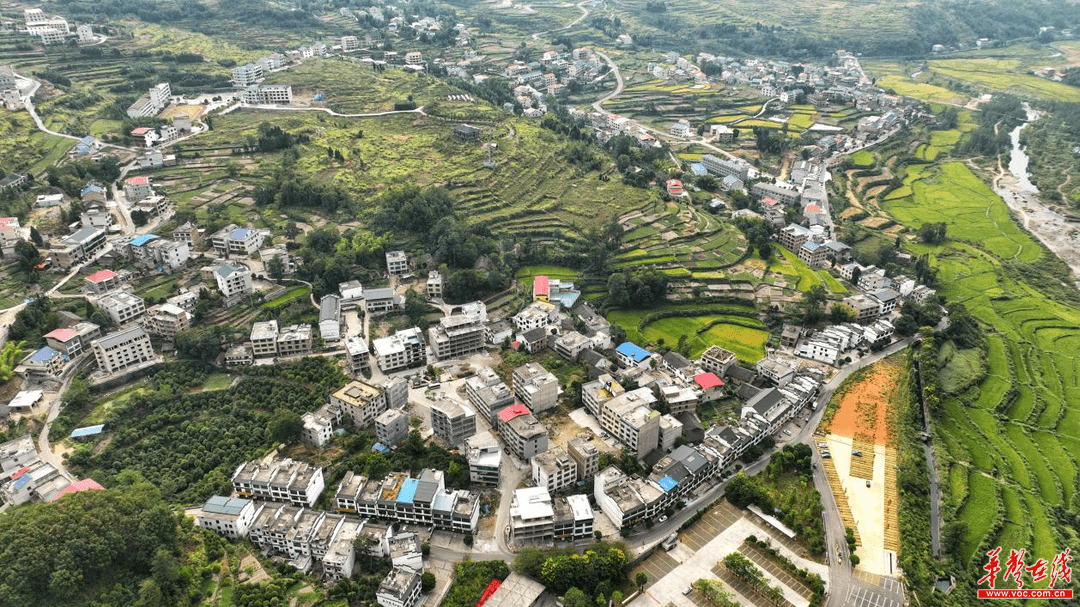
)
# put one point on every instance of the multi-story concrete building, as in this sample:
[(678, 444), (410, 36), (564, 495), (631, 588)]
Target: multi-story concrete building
[(717, 360), (246, 75), (268, 94), (488, 394), (574, 518), (294, 340), (285, 480), (456, 336), (360, 402), (357, 355), (137, 188), (522, 432), (554, 470), (264, 339), (230, 517), (631, 418), (625, 500), (630, 355), (402, 350), (189, 233), (122, 349), (234, 283), (319, 425), (775, 370), (599, 391), (485, 458), (532, 517), (166, 320), (78, 247), (400, 587), (101, 282), (537, 387), (536, 315), (234, 241), (397, 263), (585, 455), (784, 195), (866, 308), (422, 501), (452, 421), (434, 287), (740, 169), (570, 344), (349, 43), (44, 361), (392, 427)]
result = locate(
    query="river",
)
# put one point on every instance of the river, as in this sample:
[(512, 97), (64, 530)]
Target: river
[(1018, 159), (1047, 224)]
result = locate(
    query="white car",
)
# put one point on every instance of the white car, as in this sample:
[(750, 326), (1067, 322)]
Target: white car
[(663, 518)]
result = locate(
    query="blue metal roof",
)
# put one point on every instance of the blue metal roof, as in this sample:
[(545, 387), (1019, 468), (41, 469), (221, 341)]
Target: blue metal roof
[(637, 353), (87, 431), (408, 491), (43, 355), (381, 448), (92, 188), (88, 140), (21, 481), (139, 241), (698, 169), (667, 483)]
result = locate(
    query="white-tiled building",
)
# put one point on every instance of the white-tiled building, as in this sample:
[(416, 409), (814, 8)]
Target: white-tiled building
[(122, 307), (285, 481), (537, 387), (402, 350), (230, 517), (234, 282), (122, 349)]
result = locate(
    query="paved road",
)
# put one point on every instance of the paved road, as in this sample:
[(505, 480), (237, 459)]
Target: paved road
[(584, 13), (41, 125), (598, 105)]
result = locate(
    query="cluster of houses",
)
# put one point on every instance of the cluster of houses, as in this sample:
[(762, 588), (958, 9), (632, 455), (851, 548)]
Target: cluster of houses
[(26, 477), (55, 29)]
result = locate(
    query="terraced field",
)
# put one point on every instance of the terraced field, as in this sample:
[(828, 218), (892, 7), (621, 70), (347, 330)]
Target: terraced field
[(730, 326), (1012, 440)]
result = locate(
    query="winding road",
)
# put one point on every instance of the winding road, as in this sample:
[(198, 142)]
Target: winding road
[(584, 13)]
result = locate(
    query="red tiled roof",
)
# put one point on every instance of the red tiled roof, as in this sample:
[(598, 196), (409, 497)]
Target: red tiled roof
[(140, 180), (708, 381), (490, 590), (540, 285), (515, 410), (86, 484), (101, 275), (62, 334), (141, 130), (769, 201)]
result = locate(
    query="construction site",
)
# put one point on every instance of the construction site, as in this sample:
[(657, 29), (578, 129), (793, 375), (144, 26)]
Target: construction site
[(858, 449)]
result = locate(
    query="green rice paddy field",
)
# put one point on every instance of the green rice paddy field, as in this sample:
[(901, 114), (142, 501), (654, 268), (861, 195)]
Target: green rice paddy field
[(723, 325), (1012, 441)]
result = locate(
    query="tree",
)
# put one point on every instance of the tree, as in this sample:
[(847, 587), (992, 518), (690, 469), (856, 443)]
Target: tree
[(275, 267), (839, 313), (35, 236), (201, 344), (641, 579), (575, 597), (27, 259), (285, 426), (933, 233), (616, 597), (139, 217), (856, 274), (427, 582)]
